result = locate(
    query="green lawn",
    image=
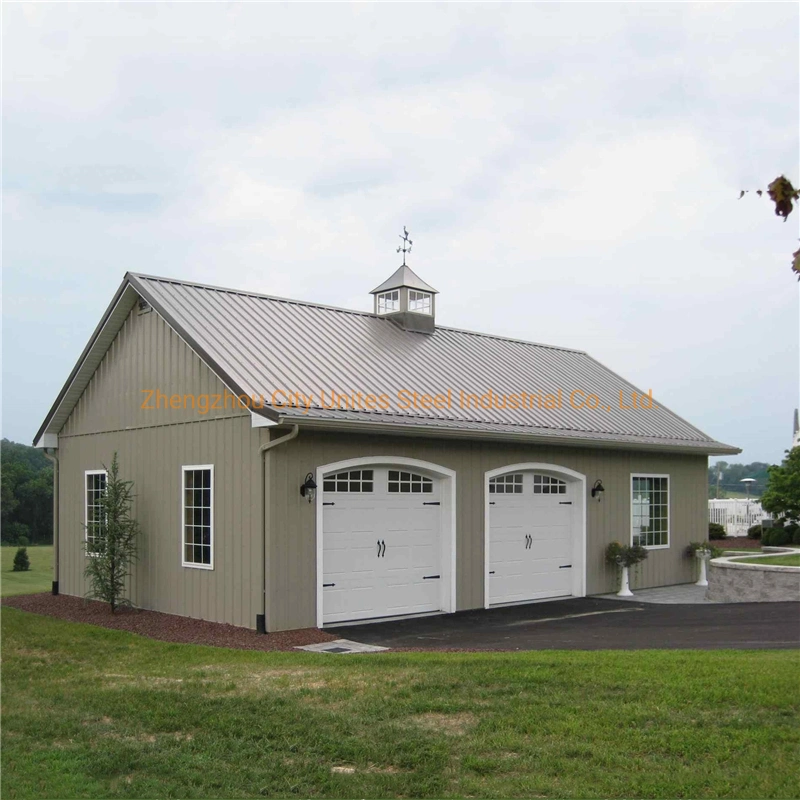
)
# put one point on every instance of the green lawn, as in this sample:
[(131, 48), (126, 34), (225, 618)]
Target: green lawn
[(39, 578), (90, 712), (789, 560)]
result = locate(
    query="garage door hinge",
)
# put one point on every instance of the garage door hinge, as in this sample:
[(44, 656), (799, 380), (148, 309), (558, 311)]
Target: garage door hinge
[(436, 503), (430, 577), (567, 503), (325, 585), (566, 566), (491, 502), (492, 572), (329, 504)]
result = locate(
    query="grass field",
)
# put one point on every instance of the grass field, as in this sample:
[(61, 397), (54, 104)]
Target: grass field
[(90, 712), (39, 578), (789, 560)]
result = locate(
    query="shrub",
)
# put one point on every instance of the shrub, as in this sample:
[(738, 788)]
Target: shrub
[(21, 561), (716, 531), (777, 536), (754, 531), (115, 547), (22, 541)]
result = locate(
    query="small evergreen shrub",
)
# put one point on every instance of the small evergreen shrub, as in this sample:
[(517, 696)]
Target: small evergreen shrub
[(777, 536), (22, 541), (21, 561), (754, 531), (716, 531)]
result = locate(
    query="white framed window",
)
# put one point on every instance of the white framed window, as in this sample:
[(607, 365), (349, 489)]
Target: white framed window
[(650, 510), (388, 302), (353, 481), (420, 302), (197, 516), (94, 482), (506, 484), (409, 483), (544, 484)]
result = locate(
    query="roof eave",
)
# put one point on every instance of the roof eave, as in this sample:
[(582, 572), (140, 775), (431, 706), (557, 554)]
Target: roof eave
[(431, 431)]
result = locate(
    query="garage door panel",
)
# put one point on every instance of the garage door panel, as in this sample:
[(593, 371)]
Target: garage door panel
[(383, 581), (543, 516), (530, 540), (351, 519)]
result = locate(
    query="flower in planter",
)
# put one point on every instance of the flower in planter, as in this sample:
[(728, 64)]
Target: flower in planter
[(625, 555), (702, 550)]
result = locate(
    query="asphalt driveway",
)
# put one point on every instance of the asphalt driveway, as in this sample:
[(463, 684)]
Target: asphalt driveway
[(592, 624)]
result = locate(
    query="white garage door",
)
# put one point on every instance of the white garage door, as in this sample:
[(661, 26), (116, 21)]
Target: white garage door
[(531, 527), (382, 551)]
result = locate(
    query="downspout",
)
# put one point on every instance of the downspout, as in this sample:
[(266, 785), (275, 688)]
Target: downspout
[(50, 454), (261, 619)]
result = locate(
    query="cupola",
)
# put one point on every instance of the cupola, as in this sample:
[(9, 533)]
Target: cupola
[(405, 298)]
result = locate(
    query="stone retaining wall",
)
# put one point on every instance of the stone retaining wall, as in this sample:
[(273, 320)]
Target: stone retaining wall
[(731, 581)]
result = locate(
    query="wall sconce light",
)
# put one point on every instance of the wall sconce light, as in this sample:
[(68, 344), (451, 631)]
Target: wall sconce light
[(309, 488), (598, 489)]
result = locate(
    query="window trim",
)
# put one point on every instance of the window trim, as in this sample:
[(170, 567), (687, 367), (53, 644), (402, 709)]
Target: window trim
[(393, 299), (424, 480), (422, 297), (86, 474), (361, 480), (669, 508), (191, 564)]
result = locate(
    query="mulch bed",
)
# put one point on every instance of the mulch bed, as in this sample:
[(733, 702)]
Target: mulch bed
[(737, 543), (164, 627)]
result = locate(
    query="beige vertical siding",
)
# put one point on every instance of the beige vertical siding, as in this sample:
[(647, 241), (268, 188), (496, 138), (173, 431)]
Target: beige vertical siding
[(153, 446), (291, 589), (153, 458), (147, 355)]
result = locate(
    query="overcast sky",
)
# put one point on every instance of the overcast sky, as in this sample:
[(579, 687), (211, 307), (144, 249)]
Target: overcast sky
[(569, 174)]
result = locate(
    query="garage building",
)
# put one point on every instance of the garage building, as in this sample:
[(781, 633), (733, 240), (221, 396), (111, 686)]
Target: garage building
[(299, 465)]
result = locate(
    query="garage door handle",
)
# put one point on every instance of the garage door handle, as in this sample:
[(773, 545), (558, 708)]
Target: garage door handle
[(329, 504), (565, 503), (430, 577), (491, 502), (381, 548), (492, 572), (325, 585), (436, 503), (566, 566)]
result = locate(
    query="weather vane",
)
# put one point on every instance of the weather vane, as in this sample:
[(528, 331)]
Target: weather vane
[(406, 246)]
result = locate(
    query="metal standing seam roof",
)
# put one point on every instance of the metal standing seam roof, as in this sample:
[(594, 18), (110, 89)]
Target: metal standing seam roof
[(259, 345)]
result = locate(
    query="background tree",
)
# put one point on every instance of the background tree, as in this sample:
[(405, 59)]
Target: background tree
[(112, 542), (732, 474), (26, 486), (782, 495)]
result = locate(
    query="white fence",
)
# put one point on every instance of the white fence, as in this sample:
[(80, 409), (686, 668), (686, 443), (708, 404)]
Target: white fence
[(736, 516)]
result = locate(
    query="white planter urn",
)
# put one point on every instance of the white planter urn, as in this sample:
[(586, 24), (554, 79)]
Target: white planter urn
[(625, 584), (703, 557)]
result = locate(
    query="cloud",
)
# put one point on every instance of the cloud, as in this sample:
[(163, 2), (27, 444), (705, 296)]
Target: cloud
[(569, 174)]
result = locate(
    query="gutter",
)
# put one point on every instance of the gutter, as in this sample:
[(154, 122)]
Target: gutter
[(431, 431), (261, 619), (50, 454)]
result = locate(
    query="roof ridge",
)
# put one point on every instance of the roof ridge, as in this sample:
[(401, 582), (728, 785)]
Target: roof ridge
[(312, 304)]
